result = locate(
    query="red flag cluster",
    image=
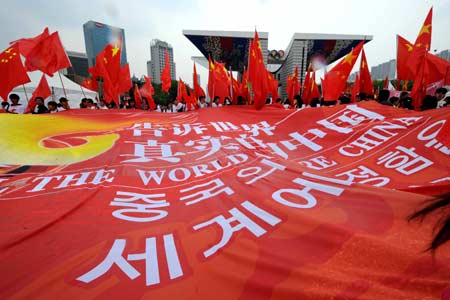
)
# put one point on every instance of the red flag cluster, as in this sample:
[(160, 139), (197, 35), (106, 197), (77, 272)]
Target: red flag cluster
[(147, 91), (415, 62), (165, 74), (43, 52), (261, 80), (116, 78), (12, 71)]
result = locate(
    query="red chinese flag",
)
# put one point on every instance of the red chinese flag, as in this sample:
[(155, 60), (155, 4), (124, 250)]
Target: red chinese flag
[(124, 83), (335, 80), (404, 49), (42, 90), (27, 44), (48, 56), (274, 85), (181, 91), (198, 91), (165, 74), (243, 89), (256, 71), (434, 69), (314, 92), (356, 88), (235, 90), (221, 82), (365, 80), (137, 97), (306, 86), (12, 72), (294, 86), (422, 44), (90, 84), (147, 91), (211, 79), (386, 83)]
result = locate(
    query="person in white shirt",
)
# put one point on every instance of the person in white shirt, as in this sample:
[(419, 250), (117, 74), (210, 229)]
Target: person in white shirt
[(63, 104), (201, 102), (52, 107), (178, 106), (102, 105), (216, 101), (15, 107)]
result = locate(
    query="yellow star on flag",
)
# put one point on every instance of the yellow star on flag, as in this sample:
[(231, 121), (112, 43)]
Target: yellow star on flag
[(425, 29), (410, 47), (115, 50), (349, 58)]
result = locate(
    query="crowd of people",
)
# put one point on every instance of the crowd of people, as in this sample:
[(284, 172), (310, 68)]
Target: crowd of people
[(439, 100)]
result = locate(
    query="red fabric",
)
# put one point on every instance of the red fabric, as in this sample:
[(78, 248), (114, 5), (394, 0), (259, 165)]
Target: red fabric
[(404, 49), (213, 212), (235, 88), (386, 83), (243, 89), (210, 78), (198, 91), (12, 72), (137, 97), (294, 85), (314, 92), (182, 92), (336, 79), (27, 44), (90, 84), (165, 74), (307, 86), (356, 88), (147, 91), (116, 79), (261, 86), (365, 80), (48, 56), (42, 90), (432, 69), (421, 45), (221, 85)]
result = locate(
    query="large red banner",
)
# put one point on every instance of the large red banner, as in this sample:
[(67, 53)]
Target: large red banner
[(226, 203)]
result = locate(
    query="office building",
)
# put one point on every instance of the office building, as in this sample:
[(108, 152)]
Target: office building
[(158, 60)]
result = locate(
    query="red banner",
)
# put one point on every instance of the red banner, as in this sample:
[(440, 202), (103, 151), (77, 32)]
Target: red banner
[(235, 204)]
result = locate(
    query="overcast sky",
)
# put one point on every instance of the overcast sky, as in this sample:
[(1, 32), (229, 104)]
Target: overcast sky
[(144, 20)]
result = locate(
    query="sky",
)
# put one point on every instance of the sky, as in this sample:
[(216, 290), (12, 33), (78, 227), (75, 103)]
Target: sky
[(165, 20)]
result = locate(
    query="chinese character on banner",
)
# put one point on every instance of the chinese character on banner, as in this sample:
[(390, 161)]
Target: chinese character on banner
[(154, 150), (139, 207), (404, 160), (116, 258), (239, 221), (201, 192), (353, 115), (267, 167)]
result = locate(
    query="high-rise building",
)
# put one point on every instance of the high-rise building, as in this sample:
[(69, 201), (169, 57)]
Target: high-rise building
[(158, 60), (388, 68), (79, 69), (97, 35)]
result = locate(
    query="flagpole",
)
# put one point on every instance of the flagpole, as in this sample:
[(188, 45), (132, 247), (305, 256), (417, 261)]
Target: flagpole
[(64, 89), (25, 91)]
